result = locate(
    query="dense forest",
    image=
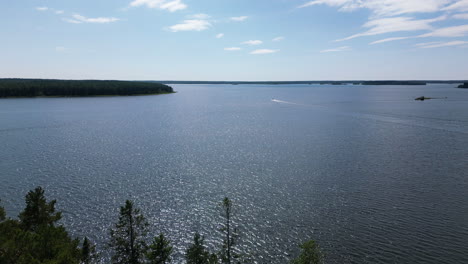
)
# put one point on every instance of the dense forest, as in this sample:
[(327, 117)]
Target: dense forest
[(72, 88), (37, 237), (324, 82)]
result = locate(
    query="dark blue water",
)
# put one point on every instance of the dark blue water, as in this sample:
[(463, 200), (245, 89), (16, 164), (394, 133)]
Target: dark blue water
[(369, 173)]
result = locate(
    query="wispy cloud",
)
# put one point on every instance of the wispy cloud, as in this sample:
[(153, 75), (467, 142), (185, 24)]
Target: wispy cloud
[(395, 24), (461, 16), (60, 49), (263, 51), (232, 49), (461, 5), (199, 16), (169, 5), (278, 39), (252, 42), (191, 25), (431, 45), (239, 18), (220, 35), (344, 48), (59, 12), (42, 8), (385, 7), (456, 31), (78, 19), (388, 40)]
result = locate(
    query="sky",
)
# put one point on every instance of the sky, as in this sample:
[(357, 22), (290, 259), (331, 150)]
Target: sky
[(234, 40)]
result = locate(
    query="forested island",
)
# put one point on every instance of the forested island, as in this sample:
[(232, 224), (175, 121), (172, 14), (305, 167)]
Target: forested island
[(324, 82), (78, 88), (36, 236), (465, 85)]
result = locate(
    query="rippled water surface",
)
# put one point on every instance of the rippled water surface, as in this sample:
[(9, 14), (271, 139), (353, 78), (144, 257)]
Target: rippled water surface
[(369, 173)]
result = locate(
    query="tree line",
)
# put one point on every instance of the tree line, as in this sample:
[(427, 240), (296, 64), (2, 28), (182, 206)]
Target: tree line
[(75, 88), (36, 237)]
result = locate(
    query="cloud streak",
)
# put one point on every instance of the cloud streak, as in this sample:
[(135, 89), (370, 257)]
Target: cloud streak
[(239, 18), (277, 39), (191, 25), (340, 49), (232, 49), (381, 8), (171, 6), (263, 51), (252, 42), (432, 45), (79, 19), (395, 24)]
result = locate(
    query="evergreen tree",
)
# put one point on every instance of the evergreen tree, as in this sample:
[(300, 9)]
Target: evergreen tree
[(159, 252), (2, 213), (229, 241), (38, 211), (197, 254), (88, 252), (310, 254), (128, 236), (36, 238)]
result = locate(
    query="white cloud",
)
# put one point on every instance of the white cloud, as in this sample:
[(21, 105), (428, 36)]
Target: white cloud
[(172, 6), (344, 48), (60, 49), (72, 21), (42, 8), (232, 49), (456, 31), (78, 19), (395, 24), (264, 51), (461, 5), (252, 42), (199, 16), (441, 44), (239, 18), (278, 39), (461, 16), (191, 25), (385, 7), (389, 39), (59, 12), (220, 35)]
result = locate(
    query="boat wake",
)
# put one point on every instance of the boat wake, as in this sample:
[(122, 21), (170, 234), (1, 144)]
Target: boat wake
[(283, 102)]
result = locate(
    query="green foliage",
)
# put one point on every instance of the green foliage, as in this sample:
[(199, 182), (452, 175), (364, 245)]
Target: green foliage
[(88, 252), (39, 87), (159, 252), (128, 236), (310, 254), (2, 213), (38, 212), (35, 238), (198, 254), (228, 241)]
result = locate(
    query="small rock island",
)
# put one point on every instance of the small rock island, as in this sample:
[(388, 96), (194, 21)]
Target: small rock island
[(465, 85), (78, 88)]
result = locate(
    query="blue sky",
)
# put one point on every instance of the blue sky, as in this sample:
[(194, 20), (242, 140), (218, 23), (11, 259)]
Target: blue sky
[(234, 39)]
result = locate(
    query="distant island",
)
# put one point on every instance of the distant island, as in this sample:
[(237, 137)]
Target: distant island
[(308, 82), (322, 82), (465, 85), (78, 88)]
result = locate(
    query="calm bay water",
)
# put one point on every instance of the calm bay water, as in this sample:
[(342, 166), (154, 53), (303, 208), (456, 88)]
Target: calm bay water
[(369, 173)]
